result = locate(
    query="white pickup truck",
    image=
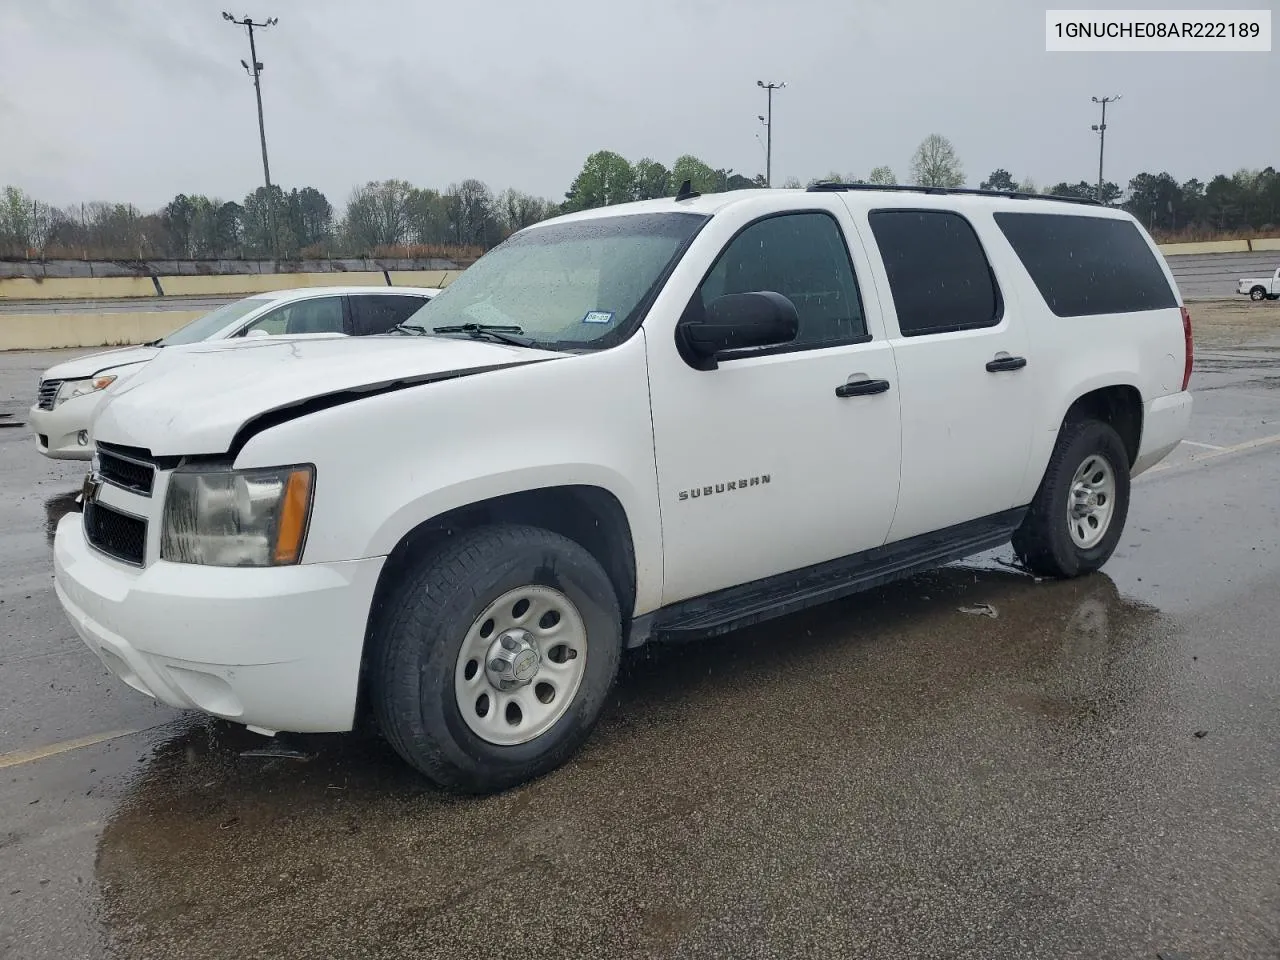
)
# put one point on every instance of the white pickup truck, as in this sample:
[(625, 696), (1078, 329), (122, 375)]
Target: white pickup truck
[(649, 422), (1261, 288)]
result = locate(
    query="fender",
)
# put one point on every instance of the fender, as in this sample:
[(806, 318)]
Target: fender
[(645, 539)]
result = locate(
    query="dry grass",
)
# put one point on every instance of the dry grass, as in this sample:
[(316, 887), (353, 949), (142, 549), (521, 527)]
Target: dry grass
[(423, 251), (1233, 323)]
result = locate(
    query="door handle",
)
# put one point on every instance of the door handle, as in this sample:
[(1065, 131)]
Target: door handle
[(1001, 364), (862, 388)]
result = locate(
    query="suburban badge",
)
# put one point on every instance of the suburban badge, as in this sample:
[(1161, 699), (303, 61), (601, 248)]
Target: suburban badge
[(730, 486)]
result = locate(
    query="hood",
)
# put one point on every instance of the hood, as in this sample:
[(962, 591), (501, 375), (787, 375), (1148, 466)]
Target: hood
[(194, 399), (90, 365)]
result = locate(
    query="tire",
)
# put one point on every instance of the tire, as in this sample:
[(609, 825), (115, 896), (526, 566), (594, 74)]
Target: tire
[(421, 684), (1257, 293), (1054, 542)]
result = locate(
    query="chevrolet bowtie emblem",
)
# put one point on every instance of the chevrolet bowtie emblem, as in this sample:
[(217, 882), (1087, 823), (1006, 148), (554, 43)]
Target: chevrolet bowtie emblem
[(89, 490)]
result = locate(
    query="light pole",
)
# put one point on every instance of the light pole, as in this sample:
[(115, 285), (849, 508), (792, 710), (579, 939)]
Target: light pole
[(1101, 130), (254, 69), (768, 125)]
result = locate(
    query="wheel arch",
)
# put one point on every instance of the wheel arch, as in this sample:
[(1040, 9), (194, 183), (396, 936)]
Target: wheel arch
[(1119, 406), (589, 515)]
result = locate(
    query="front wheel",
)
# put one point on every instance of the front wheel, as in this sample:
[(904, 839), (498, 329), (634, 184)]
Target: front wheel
[(1257, 293), (492, 658), (1078, 514)]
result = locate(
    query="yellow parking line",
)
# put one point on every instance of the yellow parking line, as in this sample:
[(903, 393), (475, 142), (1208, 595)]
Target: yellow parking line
[(19, 757)]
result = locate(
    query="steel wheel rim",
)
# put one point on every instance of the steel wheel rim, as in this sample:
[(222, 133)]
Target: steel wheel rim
[(520, 665), (1091, 501)]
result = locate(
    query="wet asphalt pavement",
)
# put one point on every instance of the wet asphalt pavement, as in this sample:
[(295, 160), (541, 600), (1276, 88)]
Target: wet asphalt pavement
[(1093, 772)]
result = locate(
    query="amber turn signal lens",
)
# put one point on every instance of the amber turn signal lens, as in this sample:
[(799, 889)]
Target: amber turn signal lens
[(293, 516)]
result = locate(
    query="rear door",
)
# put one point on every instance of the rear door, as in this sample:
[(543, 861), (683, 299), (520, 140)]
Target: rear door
[(377, 313), (309, 315), (966, 379)]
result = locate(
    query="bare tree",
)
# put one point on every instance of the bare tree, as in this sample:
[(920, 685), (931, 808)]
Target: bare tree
[(378, 214), (518, 210), (882, 176), (471, 213), (935, 163)]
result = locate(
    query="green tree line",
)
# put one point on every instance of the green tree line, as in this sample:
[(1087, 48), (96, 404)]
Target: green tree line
[(394, 216)]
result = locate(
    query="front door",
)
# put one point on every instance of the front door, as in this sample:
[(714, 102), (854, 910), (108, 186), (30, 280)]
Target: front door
[(762, 467)]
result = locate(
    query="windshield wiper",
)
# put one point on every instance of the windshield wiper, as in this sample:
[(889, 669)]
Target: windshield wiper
[(412, 328), (495, 331)]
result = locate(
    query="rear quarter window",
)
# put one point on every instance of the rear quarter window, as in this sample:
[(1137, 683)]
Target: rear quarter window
[(1086, 266)]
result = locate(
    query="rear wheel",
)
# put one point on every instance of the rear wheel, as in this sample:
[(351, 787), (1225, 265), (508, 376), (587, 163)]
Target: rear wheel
[(491, 660), (1258, 293), (1078, 514)]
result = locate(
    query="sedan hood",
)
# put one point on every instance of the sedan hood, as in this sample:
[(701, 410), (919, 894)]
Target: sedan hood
[(194, 399), (91, 364)]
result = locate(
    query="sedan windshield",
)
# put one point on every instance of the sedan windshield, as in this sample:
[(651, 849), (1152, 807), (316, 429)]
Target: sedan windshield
[(206, 326), (563, 286)]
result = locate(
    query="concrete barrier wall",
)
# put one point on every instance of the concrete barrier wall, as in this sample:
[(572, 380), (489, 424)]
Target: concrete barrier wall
[(230, 286), (1209, 246), (222, 285), (423, 278), (52, 324), (77, 288), (48, 331)]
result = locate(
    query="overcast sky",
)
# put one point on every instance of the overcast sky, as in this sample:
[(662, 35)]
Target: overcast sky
[(137, 100)]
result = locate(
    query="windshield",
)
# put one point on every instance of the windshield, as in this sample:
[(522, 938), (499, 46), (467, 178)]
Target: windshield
[(566, 285), (205, 327)]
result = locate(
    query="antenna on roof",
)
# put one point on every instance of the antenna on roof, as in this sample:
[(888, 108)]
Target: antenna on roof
[(686, 191)]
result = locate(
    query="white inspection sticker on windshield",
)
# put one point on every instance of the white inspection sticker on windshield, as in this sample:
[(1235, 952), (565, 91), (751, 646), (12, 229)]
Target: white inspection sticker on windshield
[(599, 316)]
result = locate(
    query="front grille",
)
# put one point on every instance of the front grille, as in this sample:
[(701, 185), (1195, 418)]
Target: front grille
[(47, 393), (125, 472), (115, 534)]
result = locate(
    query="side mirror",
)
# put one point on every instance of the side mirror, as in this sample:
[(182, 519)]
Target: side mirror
[(256, 332), (739, 321)]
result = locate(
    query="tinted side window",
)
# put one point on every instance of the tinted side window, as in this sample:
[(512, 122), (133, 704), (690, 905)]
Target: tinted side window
[(803, 257), (1086, 266), (318, 315), (379, 313), (938, 272)]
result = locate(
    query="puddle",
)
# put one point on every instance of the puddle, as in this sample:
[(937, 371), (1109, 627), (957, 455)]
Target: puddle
[(701, 748), (57, 507)]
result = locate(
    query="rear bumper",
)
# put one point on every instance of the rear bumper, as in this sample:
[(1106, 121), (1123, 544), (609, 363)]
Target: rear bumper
[(1164, 424), (276, 649)]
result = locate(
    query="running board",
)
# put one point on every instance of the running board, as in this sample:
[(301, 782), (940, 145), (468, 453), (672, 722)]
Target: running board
[(736, 607)]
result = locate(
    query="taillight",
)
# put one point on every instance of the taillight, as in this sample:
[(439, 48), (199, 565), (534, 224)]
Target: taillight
[(1186, 336)]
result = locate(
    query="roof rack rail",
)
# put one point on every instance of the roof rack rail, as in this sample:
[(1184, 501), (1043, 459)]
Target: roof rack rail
[(963, 191)]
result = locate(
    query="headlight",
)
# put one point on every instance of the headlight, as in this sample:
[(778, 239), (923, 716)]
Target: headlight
[(237, 518), (71, 389)]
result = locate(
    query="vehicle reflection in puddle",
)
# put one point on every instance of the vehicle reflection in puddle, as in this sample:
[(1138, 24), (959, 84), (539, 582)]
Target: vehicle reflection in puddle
[(57, 507), (727, 778)]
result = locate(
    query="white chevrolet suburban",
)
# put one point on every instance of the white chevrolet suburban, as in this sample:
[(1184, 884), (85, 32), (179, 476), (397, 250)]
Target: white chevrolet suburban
[(654, 421)]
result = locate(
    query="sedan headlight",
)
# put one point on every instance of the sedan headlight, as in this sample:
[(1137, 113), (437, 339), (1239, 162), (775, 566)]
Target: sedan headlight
[(71, 389), (237, 518)]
